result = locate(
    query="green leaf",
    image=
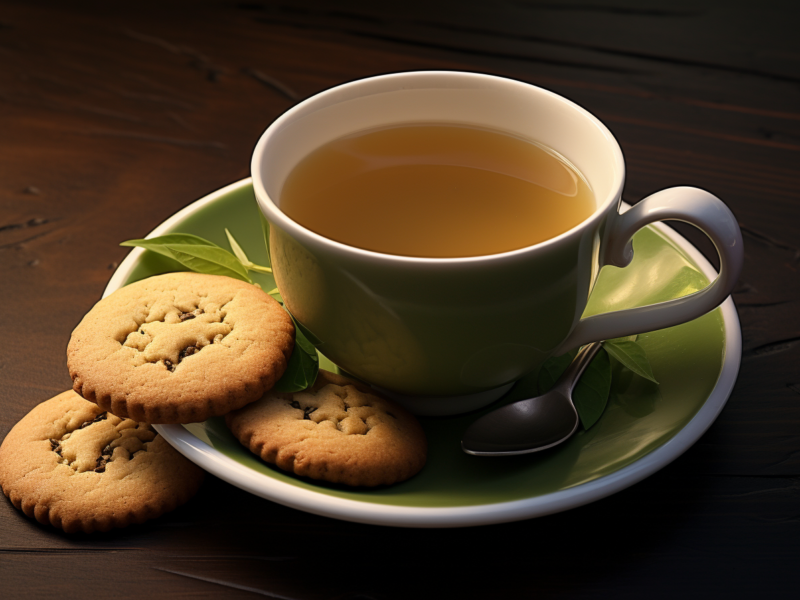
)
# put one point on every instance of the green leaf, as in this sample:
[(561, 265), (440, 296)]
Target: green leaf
[(258, 268), (632, 356), (301, 340), (208, 259), (304, 362), (159, 244), (195, 253), (301, 372), (591, 394), (312, 339), (307, 338), (171, 238), (237, 249)]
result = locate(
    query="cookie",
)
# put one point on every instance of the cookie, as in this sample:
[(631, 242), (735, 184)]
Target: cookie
[(339, 430), (72, 465), (180, 348)]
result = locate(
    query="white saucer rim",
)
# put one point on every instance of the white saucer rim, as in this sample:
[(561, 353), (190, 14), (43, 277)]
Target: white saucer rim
[(318, 503)]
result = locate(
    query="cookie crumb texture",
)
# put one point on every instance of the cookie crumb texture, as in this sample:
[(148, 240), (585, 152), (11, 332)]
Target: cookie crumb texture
[(180, 348), (338, 430), (69, 464)]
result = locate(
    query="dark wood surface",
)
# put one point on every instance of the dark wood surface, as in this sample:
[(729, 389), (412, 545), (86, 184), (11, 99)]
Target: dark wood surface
[(115, 115)]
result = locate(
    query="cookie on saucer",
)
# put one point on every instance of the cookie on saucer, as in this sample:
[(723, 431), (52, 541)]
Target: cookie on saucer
[(72, 465), (338, 430), (180, 348)]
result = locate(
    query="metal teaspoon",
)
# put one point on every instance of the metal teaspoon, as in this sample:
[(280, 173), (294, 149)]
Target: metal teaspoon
[(532, 424)]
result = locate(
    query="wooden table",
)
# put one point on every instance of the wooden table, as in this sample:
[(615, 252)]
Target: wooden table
[(113, 116)]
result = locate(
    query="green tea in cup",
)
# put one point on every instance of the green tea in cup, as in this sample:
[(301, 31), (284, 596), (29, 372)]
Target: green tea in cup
[(436, 191)]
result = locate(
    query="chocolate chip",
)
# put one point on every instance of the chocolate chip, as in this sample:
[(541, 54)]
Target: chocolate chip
[(101, 417), (169, 365), (101, 463), (188, 351), (306, 411), (190, 315)]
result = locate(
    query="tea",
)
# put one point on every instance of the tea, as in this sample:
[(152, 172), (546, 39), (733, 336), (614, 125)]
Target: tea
[(438, 191)]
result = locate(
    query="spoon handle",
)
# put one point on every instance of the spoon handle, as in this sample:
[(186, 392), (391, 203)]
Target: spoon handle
[(569, 378)]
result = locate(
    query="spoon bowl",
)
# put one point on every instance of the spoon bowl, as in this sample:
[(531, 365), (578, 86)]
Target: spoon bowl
[(533, 424)]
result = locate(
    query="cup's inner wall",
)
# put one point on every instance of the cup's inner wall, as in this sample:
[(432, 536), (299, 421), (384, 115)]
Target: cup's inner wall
[(489, 102)]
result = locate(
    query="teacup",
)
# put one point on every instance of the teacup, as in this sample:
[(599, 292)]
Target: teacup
[(448, 335)]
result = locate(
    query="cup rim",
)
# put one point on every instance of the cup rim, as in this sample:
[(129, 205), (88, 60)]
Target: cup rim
[(276, 215)]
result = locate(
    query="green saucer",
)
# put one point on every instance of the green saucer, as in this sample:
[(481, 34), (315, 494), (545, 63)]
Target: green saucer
[(644, 427)]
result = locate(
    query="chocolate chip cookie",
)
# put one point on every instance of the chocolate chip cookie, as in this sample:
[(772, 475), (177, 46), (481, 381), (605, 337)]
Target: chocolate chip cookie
[(180, 348), (72, 465), (339, 430)]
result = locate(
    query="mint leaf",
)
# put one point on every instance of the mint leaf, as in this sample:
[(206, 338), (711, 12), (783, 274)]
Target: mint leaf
[(212, 260), (159, 244), (301, 372), (194, 253), (632, 356), (307, 334), (301, 338), (246, 262), (170, 238), (237, 249), (303, 366)]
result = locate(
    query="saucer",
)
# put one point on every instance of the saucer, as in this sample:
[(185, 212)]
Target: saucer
[(644, 427)]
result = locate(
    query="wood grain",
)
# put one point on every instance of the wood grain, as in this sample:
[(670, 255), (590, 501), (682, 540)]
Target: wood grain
[(115, 115)]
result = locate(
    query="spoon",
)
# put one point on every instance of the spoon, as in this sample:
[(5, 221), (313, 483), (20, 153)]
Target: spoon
[(532, 424)]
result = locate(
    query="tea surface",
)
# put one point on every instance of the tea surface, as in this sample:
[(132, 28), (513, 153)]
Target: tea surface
[(438, 191)]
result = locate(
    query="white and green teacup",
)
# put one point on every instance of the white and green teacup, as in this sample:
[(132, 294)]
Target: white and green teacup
[(415, 327)]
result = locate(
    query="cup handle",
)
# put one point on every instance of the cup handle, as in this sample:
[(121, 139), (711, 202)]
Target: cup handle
[(692, 205)]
